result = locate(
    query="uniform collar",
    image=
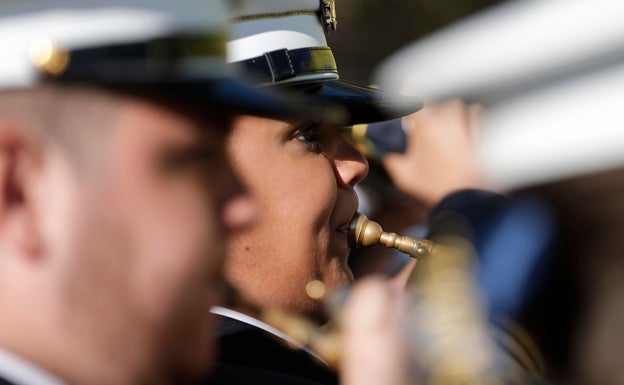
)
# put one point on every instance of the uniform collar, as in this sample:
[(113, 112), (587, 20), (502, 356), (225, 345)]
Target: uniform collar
[(21, 372), (233, 314)]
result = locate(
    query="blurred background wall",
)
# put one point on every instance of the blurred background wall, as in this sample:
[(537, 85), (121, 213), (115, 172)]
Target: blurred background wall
[(370, 30)]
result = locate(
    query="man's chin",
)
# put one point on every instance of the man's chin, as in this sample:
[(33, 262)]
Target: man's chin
[(346, 274)]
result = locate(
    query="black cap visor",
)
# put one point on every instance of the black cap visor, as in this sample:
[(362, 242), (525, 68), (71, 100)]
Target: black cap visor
[(295, 70), (363, 104)]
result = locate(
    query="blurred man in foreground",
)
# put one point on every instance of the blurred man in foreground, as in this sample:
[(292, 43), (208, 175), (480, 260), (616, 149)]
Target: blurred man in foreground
[(115, 190)]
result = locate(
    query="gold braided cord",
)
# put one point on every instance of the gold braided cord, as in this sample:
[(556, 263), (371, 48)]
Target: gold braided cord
[(274, 15)]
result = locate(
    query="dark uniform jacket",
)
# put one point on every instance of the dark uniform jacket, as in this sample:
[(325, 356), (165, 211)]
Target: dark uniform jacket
[(249, 355)]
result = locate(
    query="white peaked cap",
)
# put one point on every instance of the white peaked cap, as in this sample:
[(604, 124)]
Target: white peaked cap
[(283, 42), (550, 74)]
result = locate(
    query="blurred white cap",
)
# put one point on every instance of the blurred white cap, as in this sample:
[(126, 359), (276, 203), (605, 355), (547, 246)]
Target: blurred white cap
[(31, 32), (550, 74)]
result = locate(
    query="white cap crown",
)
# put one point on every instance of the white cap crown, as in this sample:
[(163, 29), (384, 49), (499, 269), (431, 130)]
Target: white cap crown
[(287, 36)]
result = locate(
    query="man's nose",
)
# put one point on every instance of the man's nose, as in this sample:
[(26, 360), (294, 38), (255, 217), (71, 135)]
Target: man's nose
[(350, 166)]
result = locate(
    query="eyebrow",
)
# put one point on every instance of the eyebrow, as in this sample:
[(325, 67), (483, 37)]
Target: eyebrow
[(313, 124)]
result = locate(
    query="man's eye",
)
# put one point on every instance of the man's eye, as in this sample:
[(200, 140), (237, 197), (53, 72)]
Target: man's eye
[(310, 137)]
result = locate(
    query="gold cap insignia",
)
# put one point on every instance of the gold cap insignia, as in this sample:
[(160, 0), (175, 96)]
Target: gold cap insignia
[(47, 57), (328, 14)]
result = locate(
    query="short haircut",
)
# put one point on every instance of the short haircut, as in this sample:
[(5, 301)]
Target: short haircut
[(66, 115)]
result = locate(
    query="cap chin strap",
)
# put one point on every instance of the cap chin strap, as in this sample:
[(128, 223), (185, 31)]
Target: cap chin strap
[(284, 64)]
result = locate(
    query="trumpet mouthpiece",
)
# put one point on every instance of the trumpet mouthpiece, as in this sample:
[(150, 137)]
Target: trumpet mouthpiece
[(364, 232)]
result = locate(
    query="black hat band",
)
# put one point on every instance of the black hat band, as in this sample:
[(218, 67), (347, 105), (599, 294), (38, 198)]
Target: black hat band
[(283, 64)]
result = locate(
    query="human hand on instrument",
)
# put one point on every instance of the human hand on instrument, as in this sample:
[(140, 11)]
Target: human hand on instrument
[(439, 157), (374, 346)]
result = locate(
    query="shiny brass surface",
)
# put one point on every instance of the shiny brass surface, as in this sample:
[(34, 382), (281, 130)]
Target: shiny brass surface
[(364, 232)]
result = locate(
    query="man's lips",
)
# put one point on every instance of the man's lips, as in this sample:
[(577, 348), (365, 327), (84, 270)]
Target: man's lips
[(343, 229), (345, 222), (346, 207)]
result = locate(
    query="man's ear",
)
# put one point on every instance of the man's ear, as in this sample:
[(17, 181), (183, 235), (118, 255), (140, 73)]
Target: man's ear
[(19, 232)]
